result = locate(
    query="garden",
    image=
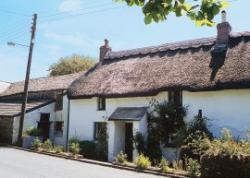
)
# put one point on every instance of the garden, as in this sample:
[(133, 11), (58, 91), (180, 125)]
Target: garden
[(199, 153)]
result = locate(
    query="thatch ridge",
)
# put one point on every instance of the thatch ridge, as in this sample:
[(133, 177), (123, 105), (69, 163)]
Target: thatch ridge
[(41, 84)]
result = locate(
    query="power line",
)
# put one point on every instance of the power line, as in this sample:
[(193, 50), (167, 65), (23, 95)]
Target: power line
[(14, 13), (80, 14), (79, 10)]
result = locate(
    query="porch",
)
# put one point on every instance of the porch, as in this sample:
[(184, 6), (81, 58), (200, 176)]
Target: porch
[(123, 125)]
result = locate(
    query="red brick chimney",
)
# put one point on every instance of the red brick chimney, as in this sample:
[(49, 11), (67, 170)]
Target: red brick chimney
[(223, 29), (104, 50)]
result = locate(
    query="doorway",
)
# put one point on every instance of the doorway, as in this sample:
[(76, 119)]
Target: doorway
[(129, 140), (44, 126)]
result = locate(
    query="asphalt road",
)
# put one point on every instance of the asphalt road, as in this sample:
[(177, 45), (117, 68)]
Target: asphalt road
[(20, 164)]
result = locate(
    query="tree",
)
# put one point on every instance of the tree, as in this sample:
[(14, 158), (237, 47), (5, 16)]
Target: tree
[(200, 11), (71, 64)]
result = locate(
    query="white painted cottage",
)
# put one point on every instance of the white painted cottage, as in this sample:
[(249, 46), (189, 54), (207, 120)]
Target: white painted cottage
[(47, 108), (208, 74)]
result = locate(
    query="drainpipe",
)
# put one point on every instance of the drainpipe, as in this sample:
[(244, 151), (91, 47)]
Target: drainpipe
[(67, 133)]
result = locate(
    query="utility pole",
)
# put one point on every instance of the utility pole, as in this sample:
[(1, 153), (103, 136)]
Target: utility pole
[(27, 78)]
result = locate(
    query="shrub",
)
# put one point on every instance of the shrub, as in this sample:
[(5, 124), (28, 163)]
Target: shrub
[(236, 166), (226, 158), (74, 148), (121, 158), (37, 144), (164, 165), (193, 167), (196, 145), (58, 149), (142, 162), (199, 124), (33, 132), (226, 135), (73, 140), (88, 149), (102, 144), (178, 164), (47, 145), (139, 142)]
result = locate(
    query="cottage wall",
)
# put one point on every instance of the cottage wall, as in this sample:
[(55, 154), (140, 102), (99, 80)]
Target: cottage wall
[(83, 113), (225, 109), (32, 118)]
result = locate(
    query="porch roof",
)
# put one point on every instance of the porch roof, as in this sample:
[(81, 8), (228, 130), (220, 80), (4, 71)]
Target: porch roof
[(128, 114)]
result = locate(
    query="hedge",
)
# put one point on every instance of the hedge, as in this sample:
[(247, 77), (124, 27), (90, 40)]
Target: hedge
[(88, 149), (225, 166)]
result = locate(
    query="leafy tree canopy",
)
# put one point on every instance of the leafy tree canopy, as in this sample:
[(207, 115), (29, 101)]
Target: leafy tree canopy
[(71, 64), (200, 11)]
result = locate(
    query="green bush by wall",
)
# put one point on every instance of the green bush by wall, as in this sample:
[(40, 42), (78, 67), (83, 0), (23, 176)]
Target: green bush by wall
[(225, 166)]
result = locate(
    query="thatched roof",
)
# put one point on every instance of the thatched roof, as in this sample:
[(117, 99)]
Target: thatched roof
[(14, 109), (187, 65), (42, 84)]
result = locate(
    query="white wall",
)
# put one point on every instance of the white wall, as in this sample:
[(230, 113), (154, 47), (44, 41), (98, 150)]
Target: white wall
[(62, 116), (83, 113), (226, 108), (3, 86), (32, 118)]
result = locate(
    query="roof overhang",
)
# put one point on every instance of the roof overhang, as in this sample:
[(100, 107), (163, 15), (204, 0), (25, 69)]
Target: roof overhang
[(128, 114), (14, 109)]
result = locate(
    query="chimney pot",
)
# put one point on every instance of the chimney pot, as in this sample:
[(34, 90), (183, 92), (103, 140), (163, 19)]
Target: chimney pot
[(104, 49), (223, 30), (223, 16)]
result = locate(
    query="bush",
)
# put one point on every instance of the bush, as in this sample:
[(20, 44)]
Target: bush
[(73, 140), (88, 149), (47, 145), (33, 132), (121, 158), (193, 167), (142, 162), (37, 144), (102, 144), (178, 164), (226, 158), (140, 143), (58, 149), (164, 165), (74, 148), (236, 166), (196, 145)]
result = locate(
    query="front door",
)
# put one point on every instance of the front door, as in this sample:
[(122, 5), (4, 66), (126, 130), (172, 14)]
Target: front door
[(129, 140), (44, 126)]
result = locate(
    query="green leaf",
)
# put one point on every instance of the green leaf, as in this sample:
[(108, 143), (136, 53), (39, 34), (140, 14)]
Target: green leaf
[(147, 19)]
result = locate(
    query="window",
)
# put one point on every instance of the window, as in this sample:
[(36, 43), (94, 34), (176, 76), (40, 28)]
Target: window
[(175, 97), (59, 102), (101, 103), (58, 126), (98, 128)]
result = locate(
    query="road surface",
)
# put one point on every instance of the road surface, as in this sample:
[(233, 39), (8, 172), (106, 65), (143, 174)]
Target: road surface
[(21, 164)]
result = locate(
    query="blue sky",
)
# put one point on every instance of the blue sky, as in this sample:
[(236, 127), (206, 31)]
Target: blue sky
[(60, 32)]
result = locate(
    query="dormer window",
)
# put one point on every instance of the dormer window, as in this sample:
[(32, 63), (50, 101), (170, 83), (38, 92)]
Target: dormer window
[(101, 104)]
